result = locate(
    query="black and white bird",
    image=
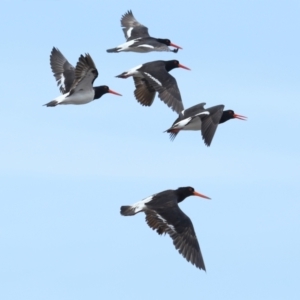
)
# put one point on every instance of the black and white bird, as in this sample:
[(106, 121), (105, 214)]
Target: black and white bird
[(138, 38), (206, 120), (153, 77), (164, 215), (75, 84)]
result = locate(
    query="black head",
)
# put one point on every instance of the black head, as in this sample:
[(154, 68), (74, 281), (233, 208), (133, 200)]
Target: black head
[(164, 41), (171, 64), (184, 192), (229, 114), (103, 89), (100, 90)]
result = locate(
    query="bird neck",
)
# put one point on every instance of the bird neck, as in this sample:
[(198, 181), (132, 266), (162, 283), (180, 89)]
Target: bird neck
[(98, 92), (225, 117), (163, 41), (181, 195), (170, 65)]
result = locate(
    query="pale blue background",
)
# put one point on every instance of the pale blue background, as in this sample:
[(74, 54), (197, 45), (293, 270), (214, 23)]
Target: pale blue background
[(66, 171)]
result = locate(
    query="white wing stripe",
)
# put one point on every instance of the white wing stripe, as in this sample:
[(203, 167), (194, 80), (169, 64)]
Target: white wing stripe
[(129, 32), (62, 81), (182, 123), (169, 225), (146, 46), (203, 113), (153, 78)]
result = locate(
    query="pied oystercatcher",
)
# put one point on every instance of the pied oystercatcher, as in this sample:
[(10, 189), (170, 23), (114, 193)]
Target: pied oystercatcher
[(76, 85), (153, 77), (138, 38), (206, 120), (164, 215)]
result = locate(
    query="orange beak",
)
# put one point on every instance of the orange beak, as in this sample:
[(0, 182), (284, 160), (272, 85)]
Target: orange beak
[(183, 67), (200, 195), (240, 117), (175, 46), (115, 93)]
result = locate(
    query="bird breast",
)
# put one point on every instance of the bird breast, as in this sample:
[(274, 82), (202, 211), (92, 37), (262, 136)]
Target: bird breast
[(80, 97)]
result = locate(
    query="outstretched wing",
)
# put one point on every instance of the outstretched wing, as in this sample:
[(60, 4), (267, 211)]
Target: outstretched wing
[(144, 92), (132, 28), (180, 228), (210, 123), (63, 71), (166, 86), (85, 74)]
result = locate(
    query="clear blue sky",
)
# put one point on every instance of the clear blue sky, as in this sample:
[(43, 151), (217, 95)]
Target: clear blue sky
[(65, 172)]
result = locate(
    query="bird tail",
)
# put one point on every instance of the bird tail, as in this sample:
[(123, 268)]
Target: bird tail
[(113, 50), (51, 103), (127, 210)]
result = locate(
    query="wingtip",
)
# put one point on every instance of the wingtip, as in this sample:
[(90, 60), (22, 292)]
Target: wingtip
[(51, 103), (123, 75), (112, 50), (203, 269)]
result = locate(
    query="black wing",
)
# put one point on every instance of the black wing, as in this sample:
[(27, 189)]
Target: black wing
[(166, 86), (144, 92), (210, 123), (194, 110), (190, 112), (85, 74), (132, 28), (63, 71), (180, 228)]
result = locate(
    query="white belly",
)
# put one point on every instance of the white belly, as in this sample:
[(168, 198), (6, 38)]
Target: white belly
[(81, 97), (194, 124), (188, 124)]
